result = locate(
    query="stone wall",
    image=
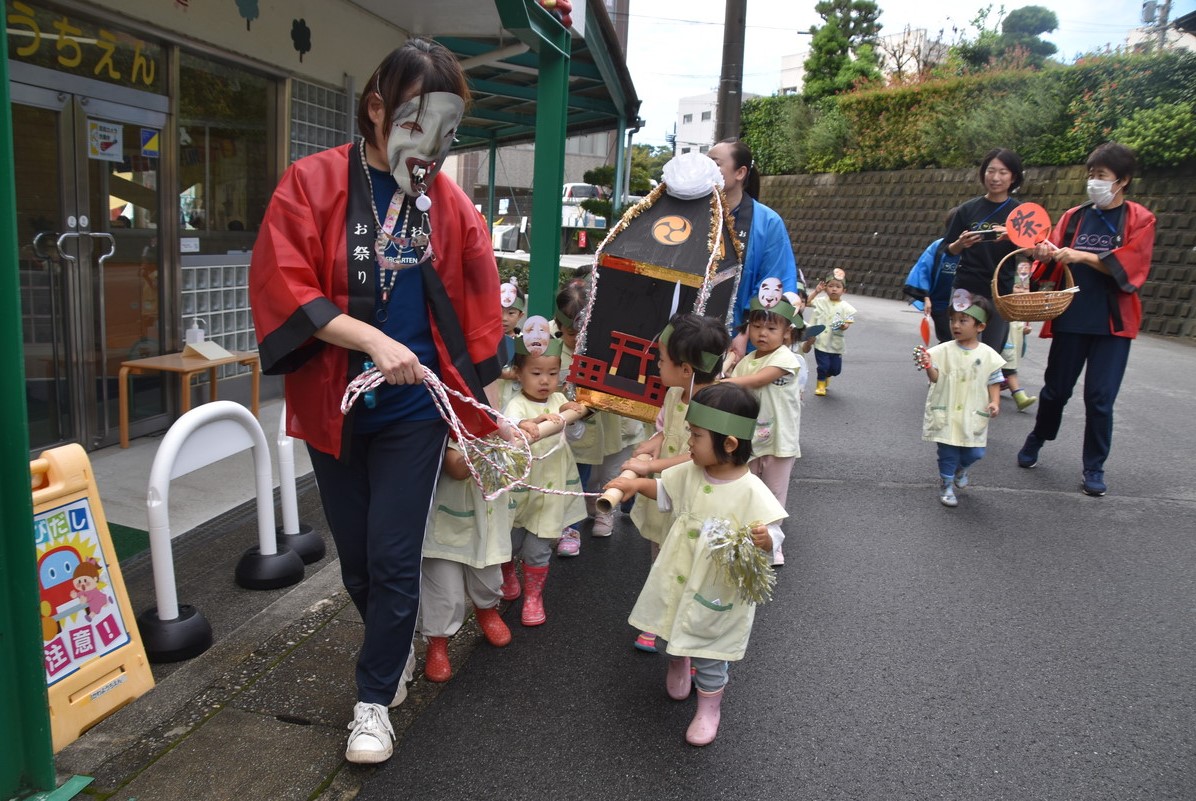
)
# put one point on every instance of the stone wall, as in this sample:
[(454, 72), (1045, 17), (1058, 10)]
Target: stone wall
[(874, 225)]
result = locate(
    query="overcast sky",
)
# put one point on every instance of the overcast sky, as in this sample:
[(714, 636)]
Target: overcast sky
[(675, 49)]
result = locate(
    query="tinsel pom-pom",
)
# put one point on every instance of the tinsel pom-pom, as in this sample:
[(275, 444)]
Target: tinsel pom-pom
[(498, 463), (737, 557)]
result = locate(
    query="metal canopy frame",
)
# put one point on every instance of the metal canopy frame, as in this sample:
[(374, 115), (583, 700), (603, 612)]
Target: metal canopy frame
[(532, 81), (505, 71)]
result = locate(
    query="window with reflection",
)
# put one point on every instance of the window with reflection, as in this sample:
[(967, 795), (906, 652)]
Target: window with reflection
[(226, 129)]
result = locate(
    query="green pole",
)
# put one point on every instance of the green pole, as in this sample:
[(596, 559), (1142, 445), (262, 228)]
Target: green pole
[(552, 44), (616, 194), (27, 759), (547, 175)]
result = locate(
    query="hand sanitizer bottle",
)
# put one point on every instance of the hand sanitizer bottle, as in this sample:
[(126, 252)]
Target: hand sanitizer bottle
[(194, 334)]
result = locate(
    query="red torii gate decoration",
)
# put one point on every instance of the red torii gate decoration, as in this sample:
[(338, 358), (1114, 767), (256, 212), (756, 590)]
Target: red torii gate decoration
[(635, 347), (591, 373)]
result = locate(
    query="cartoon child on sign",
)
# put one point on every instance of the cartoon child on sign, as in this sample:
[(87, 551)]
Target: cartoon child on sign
[(87, 582), (536, 335)]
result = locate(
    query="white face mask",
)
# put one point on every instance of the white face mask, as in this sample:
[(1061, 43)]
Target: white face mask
[(1101, 192), (418, 143)]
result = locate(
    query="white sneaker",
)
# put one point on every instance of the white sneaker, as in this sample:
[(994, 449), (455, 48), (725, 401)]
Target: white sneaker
[(604, 522), (404, 680), (371, 739)]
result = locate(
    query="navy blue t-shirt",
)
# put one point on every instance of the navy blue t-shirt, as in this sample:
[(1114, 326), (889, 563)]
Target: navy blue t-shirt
[(406, 321), (1089, 310)]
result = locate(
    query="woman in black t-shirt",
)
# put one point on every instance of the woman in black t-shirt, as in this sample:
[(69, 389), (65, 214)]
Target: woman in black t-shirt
[(976, 233)]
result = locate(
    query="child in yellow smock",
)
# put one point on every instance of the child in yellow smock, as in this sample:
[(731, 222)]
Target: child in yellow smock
[(687, 599)]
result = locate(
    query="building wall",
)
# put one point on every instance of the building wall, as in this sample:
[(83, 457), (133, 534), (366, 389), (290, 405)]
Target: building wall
[(696, 120), (515, 166), (268, 37), (793, 72), (875, 225), (693, 132)]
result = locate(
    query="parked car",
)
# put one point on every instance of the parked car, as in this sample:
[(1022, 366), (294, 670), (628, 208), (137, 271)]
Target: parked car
[(573, 194)]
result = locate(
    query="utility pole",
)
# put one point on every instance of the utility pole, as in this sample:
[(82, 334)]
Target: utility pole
[(730, 83), (1164, 15)]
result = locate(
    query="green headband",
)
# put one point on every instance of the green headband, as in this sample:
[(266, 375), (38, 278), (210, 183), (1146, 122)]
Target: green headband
[(563, 320), (711, 419), (519, 303), (783, 308), (709, 360), (553, 349), (977, 313)]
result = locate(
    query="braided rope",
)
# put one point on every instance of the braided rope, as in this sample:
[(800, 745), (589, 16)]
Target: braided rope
[(503, 461)]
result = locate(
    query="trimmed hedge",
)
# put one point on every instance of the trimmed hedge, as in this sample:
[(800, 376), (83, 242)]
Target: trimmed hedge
[(1052, 117)]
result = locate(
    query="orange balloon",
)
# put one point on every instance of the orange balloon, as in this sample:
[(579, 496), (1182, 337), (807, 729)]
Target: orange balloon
[(1027, 225)]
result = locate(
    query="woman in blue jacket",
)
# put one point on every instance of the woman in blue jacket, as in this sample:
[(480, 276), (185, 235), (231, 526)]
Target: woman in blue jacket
[(768, 253)]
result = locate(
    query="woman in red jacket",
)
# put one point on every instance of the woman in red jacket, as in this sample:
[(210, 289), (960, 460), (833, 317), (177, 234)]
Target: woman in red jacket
[(368, 253), (1107, 244)]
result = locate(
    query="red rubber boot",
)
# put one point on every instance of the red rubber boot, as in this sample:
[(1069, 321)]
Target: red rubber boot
[(510, 582), (436, 664), (533, 595), (494, 629)]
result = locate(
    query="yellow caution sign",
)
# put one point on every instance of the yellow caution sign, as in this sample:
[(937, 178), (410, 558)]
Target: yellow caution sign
[(95, 661)]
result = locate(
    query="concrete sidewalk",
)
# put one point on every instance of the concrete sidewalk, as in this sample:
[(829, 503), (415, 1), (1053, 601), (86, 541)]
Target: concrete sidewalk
[(261, 714)]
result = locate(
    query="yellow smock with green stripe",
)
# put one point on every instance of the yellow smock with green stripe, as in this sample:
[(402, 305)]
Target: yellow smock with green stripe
[(464, 527), (687, 600), (652, 523), (540, 513)]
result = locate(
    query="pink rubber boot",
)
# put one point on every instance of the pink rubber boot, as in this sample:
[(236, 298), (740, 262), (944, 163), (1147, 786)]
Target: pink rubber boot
[(704, 727), (678, 681), (533, 595)]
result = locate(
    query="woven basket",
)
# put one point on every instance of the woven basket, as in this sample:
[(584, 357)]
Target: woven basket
[(1031, 307)]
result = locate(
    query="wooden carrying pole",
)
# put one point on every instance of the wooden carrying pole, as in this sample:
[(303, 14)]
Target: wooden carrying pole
[(547, 429), (613, 497)]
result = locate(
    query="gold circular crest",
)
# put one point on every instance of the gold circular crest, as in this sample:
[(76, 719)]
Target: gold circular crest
[(671, 230)]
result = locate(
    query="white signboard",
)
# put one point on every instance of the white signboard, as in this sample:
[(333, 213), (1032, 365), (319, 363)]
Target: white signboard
[(105, 140)]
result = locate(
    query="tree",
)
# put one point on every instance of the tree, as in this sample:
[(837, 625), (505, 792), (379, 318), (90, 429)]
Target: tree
[(911, 55), (1022, 29), (842, 53), (1018, 43), (647, 163), (977, 54)]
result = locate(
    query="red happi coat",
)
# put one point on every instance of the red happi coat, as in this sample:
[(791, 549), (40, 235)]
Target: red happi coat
[(1129, 264), (299, 280)]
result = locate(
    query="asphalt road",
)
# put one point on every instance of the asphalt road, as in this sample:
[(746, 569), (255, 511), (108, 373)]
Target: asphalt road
[(1033, 643)]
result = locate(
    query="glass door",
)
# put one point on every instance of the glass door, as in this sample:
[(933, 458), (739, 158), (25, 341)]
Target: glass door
[(88, 208)]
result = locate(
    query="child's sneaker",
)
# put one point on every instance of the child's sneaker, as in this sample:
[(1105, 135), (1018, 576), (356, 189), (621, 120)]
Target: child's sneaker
[(570, 542), (646, 642), (604, 523), (947, 493)]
